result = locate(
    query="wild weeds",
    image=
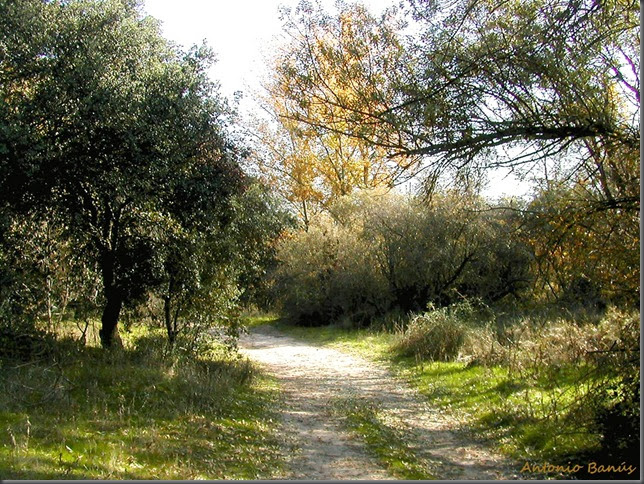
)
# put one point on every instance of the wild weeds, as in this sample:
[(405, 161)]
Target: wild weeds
[(530, 344), (436, 335)]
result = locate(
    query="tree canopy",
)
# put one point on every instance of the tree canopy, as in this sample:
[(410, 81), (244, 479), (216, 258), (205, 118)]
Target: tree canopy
[(546, 88)]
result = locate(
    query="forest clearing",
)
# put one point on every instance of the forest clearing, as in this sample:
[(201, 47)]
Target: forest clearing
[(320, 286)]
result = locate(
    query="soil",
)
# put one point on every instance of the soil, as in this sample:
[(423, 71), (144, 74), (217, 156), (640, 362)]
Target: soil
[(318, 444)]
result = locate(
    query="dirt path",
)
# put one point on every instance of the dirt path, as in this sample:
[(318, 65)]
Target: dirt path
[(313, 377)]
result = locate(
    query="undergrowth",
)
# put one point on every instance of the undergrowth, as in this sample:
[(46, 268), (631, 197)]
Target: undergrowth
[(140, 412)]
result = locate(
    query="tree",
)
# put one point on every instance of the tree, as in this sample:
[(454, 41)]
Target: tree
[(315, 164), (537, 86), (481, 83), (197, 283), (329, 273), (103, 120), (285, 161), (260, 221), (44, 276), (218, 256), (584, 255)]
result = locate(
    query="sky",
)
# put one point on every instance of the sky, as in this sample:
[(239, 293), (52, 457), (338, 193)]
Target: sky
[(242, 34)]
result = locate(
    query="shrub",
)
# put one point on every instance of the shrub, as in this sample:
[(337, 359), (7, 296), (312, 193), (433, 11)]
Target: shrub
[(584, 257), (23, 342), (437, 335), (599, 353), (617, 419), (379, 253), (442, 250), (328, 273)]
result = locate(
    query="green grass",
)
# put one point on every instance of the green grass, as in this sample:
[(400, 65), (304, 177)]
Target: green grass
[(137, 414), (527, 419), (525, 416), (254, 319), (385, 442)]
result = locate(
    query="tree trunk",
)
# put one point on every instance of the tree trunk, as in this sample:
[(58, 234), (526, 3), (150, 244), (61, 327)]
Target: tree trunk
[(109, 321), (167, 306), (167, 309), (113, 303)]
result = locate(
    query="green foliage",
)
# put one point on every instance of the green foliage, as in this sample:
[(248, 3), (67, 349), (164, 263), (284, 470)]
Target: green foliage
[(213, 264), (258, 221), (472, 86), (115, 142), (44, 278), (559, 371), (617, 419), (392, 322), (531, 342), (23, 342), (115, 131), (444, 249)]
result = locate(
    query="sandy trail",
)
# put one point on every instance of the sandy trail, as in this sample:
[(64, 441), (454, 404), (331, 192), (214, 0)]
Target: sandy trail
[(312, 377)]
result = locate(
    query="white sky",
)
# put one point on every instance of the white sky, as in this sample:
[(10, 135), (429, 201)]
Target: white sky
[(241, 33)]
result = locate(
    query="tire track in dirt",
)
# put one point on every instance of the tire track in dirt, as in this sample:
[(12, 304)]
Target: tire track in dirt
[(312, 378)]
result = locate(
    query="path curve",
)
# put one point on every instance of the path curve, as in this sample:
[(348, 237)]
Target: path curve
[(312, 377)]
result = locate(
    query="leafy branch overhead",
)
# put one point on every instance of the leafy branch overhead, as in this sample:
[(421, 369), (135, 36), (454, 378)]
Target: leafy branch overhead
[(471, 83)]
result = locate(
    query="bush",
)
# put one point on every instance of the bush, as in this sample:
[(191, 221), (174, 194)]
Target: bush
[(328, 273), (379, 253), (584, 257), (598, 356), (437, 335), (23, 342), (617, 419)]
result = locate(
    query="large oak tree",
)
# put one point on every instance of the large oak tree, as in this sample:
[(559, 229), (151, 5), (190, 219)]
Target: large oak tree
[(117, 129)]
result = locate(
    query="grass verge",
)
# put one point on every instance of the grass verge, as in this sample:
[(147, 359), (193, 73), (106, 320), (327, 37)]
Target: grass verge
[(137, 413), (370, 344)]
